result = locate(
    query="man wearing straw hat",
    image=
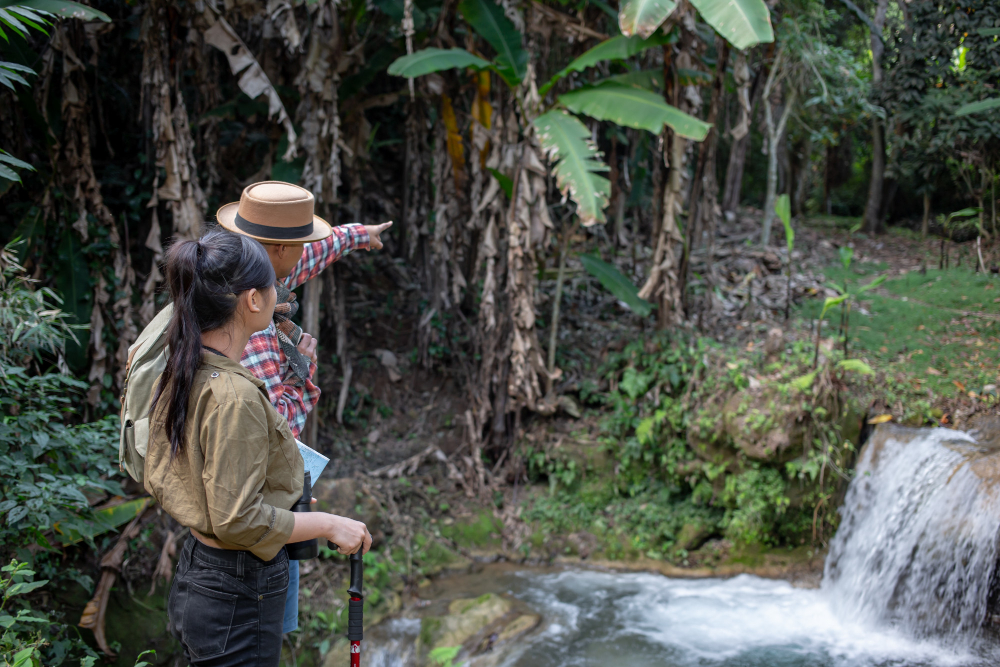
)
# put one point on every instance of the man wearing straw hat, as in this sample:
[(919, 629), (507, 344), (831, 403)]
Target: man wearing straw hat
[(301, 244)]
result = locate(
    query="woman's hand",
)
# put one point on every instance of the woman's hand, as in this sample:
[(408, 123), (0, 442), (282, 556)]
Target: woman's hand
[(348, 535)]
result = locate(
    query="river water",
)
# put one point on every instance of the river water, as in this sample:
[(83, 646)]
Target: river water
[(906, 585)]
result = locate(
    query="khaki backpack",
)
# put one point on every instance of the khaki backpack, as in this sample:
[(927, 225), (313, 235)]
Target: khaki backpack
[(147, 357)]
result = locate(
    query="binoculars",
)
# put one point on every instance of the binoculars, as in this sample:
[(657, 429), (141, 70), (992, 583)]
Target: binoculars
[(309, 548)]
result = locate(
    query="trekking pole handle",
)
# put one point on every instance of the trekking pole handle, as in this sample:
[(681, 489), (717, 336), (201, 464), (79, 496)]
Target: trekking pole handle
[(355, 610)]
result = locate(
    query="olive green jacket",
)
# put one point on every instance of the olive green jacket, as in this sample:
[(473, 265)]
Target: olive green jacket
[(240, 469)]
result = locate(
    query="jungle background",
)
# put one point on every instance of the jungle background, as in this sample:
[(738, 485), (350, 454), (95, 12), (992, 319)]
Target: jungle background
[(656, 270)]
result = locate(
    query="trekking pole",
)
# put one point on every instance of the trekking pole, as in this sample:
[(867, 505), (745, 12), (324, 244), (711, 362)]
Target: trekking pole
[(355, 606)]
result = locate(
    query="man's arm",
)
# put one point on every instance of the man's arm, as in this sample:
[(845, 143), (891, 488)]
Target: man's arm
[(319, 255), (262, 357)]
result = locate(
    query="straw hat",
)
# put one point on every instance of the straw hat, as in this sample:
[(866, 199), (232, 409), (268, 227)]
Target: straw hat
[(275, 212)]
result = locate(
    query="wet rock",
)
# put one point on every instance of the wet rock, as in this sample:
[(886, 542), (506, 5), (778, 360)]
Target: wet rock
[(466, 618), (692, 536)]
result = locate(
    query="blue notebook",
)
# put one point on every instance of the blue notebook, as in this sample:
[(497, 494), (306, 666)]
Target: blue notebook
[(315, 463)]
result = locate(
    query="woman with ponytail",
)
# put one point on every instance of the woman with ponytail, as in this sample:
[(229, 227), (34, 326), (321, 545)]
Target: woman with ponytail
[(224, 464)]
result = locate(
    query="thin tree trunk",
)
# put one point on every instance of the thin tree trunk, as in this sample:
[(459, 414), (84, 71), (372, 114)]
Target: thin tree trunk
[(554, 326), (925, 223), (774, 137), (734, 174), (873, 214), (738, 154), (312, 292)]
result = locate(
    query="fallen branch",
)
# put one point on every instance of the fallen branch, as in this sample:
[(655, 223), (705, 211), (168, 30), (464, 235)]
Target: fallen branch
[(111, 565)]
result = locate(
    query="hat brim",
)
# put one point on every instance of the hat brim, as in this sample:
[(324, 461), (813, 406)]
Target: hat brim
[(227, 218)]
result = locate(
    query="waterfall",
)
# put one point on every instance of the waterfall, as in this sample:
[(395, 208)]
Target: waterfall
[(917, 543)]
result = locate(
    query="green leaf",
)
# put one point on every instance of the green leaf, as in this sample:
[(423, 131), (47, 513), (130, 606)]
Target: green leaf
[(566, 141), (989, 32), (857, 366), (633, 107), (620, 286), (650, 79), (9, 174), (487, 18), (976, 107), (25, 587), (783, 207), (60, 8), (506, 183), (435, 60), (616, 48), (8, 77), (105, 520), (443, 656), (804, 382), (875, 283), (13, 161), (23, 657), (642, 17), (832, 301), (964, 213), (742, 22)]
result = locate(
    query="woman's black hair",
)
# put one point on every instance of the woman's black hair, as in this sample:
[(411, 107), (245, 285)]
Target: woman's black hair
[(205, 279)]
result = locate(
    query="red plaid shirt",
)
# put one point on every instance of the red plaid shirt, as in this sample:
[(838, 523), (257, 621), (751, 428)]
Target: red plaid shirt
[(264, 358)]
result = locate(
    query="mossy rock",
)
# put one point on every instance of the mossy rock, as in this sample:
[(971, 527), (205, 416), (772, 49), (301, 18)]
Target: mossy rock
[(480, 531), (764, 425), (465, 618)]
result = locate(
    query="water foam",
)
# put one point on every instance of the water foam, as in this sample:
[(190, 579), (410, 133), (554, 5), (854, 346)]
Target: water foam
[(917, 543), (643, 619)]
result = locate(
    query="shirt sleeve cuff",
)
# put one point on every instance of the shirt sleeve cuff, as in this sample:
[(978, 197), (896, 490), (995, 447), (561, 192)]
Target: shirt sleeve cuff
[(359, 236), (277, 537)]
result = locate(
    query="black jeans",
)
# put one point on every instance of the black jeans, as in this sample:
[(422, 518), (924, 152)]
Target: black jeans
[(226, 607)]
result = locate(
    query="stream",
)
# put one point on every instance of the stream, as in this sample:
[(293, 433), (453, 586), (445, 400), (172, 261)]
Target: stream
[(907, 583)]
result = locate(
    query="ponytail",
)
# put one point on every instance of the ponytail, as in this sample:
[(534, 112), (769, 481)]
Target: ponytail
[(205, 278)]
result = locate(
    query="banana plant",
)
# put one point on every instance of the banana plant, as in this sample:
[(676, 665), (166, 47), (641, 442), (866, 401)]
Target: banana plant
[(628, 101), (577, 164)]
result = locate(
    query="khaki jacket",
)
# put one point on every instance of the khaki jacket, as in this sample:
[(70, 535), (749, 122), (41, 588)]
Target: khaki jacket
[(239, 471)]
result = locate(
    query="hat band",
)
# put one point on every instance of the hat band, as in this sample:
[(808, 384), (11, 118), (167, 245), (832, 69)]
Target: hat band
[(271, 232)]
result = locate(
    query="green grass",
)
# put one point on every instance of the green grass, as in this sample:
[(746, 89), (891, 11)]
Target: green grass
[(945, 321)]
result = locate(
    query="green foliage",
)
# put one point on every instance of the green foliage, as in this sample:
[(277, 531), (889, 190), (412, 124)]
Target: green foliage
[(47, 467), (643, 17), (29, 637), (444, 656), (616, 48), (620, 286), (488, 20), (577, 166), (978, 107), (629, 106), (783, 208), (742, 22), (756, 498), (430, 60)]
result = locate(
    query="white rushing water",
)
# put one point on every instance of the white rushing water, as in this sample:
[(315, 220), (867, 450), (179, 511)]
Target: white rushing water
[(642, 620), (917, 543), (906, 585)]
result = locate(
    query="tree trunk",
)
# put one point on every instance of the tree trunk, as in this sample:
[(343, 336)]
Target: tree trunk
[(312, 292), (873, 213), (734, 174), (774, 138), (926, 221)]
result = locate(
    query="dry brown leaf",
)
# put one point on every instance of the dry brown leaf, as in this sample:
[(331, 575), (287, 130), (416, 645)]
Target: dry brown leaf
[(933, 371)]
